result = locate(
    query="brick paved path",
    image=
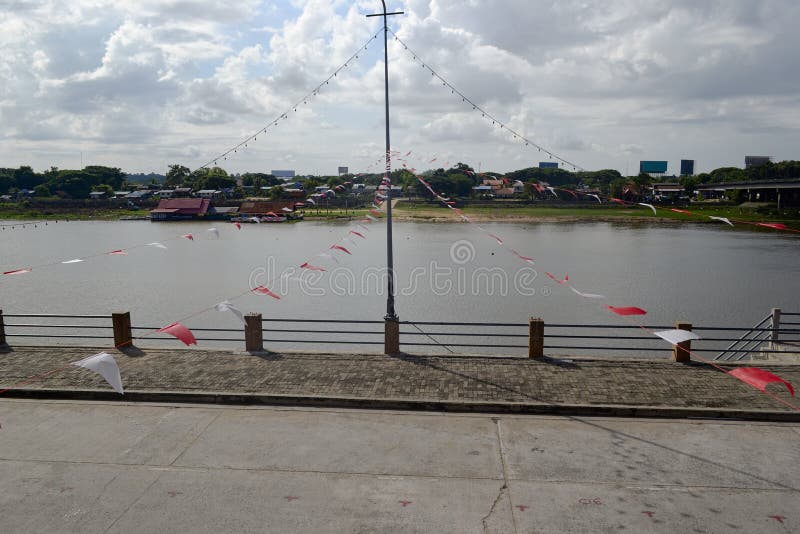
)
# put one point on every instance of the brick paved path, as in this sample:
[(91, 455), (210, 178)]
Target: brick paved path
[(413, 378)]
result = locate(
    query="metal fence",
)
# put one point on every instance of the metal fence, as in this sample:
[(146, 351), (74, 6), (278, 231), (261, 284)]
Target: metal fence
[(774, 334)]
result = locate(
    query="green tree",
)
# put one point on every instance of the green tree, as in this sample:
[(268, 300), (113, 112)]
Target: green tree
[(25, 178), (98, 174), (41, 190), (72, 183), (105, 188), (177, 175), (276, 193)]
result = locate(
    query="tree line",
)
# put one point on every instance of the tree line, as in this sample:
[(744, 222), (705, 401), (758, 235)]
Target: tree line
[(458, 180)]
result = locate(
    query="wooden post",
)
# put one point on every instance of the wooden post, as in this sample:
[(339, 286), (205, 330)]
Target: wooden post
[(2, 330), (391, 337), (682, 351), (776, 325), (536, 338), (123, 336), (253, 333)]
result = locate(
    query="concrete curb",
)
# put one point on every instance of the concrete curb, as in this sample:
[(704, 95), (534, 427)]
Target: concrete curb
[(430, 405)]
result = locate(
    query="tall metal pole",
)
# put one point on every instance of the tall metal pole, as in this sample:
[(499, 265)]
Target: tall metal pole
[(390, 313)]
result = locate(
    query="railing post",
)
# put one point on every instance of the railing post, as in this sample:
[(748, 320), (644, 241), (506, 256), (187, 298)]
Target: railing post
[(122, 329), (776, 325), (391, 336), (682, 351), (536, 338), (2, 330), (253, 333)]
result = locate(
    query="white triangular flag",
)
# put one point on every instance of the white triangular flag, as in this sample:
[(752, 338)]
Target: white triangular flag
[(214, 231), (104, 365), (157, 245), (587, 295), (76, 260), (722, 219), (226, 306), (676, 336)]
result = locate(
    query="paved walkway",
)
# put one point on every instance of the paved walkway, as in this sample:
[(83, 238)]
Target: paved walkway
[(612, 387), (117, 467)]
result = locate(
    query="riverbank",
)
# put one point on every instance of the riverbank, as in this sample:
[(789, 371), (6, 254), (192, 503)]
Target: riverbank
[(425, 212)]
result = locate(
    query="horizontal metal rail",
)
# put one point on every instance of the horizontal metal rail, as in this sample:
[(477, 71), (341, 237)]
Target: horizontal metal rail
[(60, 336), (57, 315), (312, 332), (485, 324), (90, 326), (266, 320)]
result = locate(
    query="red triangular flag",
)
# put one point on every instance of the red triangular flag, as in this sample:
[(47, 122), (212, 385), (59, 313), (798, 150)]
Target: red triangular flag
[(759, 378), (180, 332), (629, 310)]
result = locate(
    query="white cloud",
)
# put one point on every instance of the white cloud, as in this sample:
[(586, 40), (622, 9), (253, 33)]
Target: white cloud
[(149, 82)]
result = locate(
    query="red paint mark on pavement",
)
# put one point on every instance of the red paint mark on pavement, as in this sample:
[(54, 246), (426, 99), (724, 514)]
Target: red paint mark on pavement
[(291, 498), (778, 518), (405, 503), (648, 514), (174, 493), (522, 507)]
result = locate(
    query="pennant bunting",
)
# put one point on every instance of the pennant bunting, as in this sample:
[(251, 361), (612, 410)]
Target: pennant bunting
[(759, 378), (774, 226), (499, 241), (587, 295), (676, 210), (264, 291), (226, 306), (359, 234), (721, 219), (213, 231), (19, 271), (339, 247), (311, 267), (629, 310), (180, 332), (238, 225), (156, 244), (523, 258), (119, 252), (76, 260), (556, 280), (676, 336), (190, 237), (649, 206), (104, 365)]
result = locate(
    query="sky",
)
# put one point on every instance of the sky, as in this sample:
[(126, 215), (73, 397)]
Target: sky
[(145, 84)]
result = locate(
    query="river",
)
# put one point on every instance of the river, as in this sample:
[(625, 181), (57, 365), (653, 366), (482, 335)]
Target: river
[(707, 275)]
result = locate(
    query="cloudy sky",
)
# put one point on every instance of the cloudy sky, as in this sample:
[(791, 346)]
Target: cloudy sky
[(143, 84)]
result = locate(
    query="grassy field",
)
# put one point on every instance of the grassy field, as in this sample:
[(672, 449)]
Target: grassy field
[(699, 213), (13, 212)]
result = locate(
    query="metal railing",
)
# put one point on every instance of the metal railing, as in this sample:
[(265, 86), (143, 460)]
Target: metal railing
[(726, 343)]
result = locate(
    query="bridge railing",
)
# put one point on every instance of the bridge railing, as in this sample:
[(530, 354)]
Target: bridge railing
[(533, 338)]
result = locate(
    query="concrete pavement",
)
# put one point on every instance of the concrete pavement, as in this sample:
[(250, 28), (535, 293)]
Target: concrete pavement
[(72, 466)]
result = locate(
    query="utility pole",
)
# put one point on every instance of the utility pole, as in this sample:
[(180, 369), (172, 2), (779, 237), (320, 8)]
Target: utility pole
[(390, 313)]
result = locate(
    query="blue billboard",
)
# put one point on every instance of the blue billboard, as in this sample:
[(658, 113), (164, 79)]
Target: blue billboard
[(548, 164), (653, 167), (687, 167)]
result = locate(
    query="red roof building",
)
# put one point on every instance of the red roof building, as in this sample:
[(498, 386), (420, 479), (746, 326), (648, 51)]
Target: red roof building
[(180, 209)]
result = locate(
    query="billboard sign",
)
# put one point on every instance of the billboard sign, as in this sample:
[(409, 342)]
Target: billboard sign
[(653, 167), (343, 170), (687, 167), (548, 164)]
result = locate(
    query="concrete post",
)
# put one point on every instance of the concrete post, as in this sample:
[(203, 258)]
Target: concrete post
[(536, 338), (253, 333), (776, 325), (2, 330), (123, 335), (682, 351), (391, 336)]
